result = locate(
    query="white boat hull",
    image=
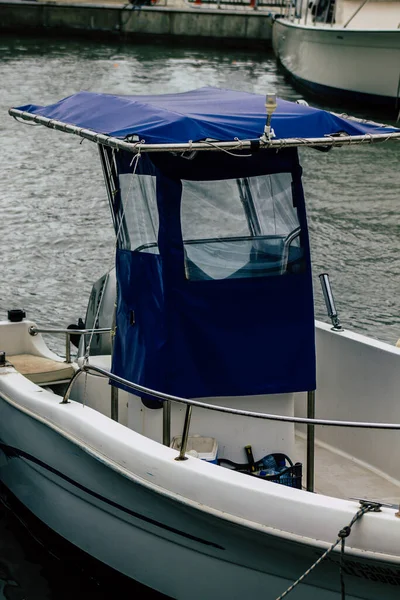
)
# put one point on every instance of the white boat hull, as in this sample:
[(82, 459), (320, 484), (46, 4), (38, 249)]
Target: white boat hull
[(358, 65), (171, 540), (164, 544)]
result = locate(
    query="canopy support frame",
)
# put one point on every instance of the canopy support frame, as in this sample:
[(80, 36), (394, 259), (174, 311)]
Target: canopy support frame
[(211, 145)]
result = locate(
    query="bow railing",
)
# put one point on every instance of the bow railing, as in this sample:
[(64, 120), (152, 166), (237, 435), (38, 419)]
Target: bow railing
[(168, 399)]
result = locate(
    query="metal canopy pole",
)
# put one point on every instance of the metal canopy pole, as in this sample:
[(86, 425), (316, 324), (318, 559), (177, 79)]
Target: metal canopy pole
[(167, 422), (356, 13), (234, 145), (310, 440), (185, 433), (224, 409), (114, 389)]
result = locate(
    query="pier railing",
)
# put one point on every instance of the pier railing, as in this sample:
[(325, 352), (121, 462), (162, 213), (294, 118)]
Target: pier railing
[(274, 5), (312, 11), (68, 333)]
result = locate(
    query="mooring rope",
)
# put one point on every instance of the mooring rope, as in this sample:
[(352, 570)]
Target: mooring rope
[(366, 506)]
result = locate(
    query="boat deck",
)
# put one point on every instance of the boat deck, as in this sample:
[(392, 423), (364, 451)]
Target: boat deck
[(378, 14), (341, 477)]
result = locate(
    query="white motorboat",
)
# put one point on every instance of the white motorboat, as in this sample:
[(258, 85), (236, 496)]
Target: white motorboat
[(343, 50), (186, 473)]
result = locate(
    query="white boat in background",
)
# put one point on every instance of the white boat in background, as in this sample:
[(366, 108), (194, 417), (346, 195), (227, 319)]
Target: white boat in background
[(186, 472), (343, 50)]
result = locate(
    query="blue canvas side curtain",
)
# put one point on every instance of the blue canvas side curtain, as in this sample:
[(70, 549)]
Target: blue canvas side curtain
[(205, 337)]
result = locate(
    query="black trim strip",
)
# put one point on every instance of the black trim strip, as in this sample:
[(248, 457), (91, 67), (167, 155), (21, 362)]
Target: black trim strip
[(12, 452)]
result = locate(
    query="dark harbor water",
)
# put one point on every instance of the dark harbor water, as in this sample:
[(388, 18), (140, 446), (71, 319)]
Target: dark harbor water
[(56, 235)]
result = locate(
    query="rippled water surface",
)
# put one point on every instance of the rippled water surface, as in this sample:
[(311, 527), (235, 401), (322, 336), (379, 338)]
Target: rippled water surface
[(56, 235)]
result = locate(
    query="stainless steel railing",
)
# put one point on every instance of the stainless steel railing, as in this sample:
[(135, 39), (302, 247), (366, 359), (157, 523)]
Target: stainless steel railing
[(168, 398), (67, 332), (235, 411), (315, 12)]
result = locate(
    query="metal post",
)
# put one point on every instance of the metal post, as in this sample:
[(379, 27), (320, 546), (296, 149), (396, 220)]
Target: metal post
[(185, 433), (114, 403), (167, 423), (330, 302), (300, 13), (310, 440), (316, 11), (114, 390), (333, 21), (356, 13), (65, 399), (67, 348)]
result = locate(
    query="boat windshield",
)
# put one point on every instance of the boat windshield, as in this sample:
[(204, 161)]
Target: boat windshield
[(137, 219), (240, 228), (230, 228)]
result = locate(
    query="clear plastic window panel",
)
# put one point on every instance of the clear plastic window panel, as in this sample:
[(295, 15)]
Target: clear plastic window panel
[(240, 228), (137, 220)]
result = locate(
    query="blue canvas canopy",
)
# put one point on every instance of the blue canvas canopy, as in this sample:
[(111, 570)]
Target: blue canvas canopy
[(208, 112)]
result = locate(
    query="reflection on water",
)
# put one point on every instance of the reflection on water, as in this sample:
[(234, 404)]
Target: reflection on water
[(37, 565), (56, 229)]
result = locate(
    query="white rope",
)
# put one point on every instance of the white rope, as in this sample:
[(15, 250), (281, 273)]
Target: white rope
[(239, 147), (25, 122)]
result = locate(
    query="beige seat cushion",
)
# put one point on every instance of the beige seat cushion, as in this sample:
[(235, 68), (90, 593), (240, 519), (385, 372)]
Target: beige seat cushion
[(41, 370)]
